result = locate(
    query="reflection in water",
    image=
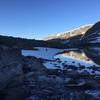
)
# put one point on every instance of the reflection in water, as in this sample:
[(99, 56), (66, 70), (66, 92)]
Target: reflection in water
[(77, 54)]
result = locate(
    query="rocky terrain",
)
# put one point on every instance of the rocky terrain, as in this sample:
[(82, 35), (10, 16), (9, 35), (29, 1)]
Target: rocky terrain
[(28, 78)]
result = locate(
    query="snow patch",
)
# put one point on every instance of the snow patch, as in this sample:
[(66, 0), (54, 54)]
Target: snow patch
[(60, 61), (69, 63)]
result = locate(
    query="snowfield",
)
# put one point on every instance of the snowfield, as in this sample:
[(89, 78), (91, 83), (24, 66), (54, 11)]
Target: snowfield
[(59, 61)]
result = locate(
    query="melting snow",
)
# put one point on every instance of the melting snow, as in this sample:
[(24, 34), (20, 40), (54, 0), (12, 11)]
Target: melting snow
[(62, 60), (59, 61), (70, 60)]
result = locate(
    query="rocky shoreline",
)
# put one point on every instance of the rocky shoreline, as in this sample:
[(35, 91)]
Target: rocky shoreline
[(26, 78)]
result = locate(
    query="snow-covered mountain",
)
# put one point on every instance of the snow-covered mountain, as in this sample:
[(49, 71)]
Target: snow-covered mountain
[(68, 34)]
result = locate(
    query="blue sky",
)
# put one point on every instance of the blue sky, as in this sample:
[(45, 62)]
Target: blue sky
[(40, 18)]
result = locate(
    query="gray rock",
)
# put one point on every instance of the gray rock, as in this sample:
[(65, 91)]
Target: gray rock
[(9, 55), (12, 78), (17, 93), (10, 74)]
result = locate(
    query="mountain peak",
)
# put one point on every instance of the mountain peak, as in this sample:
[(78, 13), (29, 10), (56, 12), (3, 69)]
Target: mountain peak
[(65, 35)]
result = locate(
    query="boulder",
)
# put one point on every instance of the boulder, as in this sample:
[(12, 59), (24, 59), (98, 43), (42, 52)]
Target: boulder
[(12, 78), (10, 74), (17, 93)]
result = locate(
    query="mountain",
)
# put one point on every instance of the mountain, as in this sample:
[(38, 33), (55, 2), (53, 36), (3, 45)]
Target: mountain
[(24, 43), (69, 36)]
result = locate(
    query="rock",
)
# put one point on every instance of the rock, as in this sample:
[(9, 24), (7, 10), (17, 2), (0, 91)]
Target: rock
[(85, 73), (12, 82), (33, 64), (12, 78), (82, 96), (9, 55), (94, 94), (10, 74), (73, 73), (17, 93)]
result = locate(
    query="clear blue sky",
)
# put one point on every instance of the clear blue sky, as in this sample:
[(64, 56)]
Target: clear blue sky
[(40, 18)]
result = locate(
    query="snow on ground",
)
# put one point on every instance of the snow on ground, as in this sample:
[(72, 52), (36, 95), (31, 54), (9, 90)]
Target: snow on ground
[(66, 60), (69, 63), (60, 61), (73, 61)]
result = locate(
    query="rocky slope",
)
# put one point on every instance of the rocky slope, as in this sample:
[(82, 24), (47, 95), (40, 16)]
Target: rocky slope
[(12, 85), (30, 77), (66, 35), (54, 79)]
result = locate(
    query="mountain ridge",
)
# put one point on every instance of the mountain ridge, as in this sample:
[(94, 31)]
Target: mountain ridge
[(65, 35)]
